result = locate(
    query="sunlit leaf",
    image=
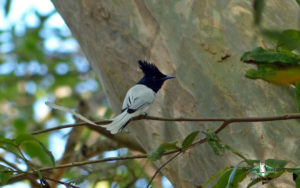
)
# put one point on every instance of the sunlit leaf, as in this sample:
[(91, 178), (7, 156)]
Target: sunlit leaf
[(276, 74), (188, 141), (261, 56)]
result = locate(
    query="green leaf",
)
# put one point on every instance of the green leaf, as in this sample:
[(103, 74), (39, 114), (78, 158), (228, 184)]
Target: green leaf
[(214, 142), (9, 145), (298, 1), (223, 180), (34, 148), (276, 163), (258, 6), (170, 145), (262, 72), (157, 153), (296, 174), (160, 150), (5, 174), (232, 180), (281, 75), (188, 141), (255, 181), (215, 176), (273, 165), (20, 126), (297, 182), (291, 41), (234, 151), (262, 56), (288, 39), (298, 94), (7, 7), (6, 141), (78, 180)]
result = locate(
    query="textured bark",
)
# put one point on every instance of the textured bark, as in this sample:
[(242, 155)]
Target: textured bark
[(187, 39)]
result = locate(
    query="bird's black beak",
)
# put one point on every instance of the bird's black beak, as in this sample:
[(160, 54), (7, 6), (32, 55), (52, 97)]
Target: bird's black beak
[(168, 77)]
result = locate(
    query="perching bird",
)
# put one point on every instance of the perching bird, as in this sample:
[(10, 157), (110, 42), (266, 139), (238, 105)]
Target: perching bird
[(139, 97)]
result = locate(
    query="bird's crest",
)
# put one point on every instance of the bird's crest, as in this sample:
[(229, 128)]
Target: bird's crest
[(150, 69)]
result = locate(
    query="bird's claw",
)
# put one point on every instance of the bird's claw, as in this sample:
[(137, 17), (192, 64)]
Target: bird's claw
[(145, 114)]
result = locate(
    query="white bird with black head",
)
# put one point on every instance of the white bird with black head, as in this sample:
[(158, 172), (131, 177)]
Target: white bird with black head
[(139, 97)]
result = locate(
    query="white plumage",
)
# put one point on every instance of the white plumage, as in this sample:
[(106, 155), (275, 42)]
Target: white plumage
[(136, 102)]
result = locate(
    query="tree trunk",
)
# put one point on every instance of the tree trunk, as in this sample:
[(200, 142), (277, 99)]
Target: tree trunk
[(188, 39)]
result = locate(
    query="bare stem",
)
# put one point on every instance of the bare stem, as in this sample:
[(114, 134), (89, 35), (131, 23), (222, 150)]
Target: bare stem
[(61, 182), (161, 167), (225, 120)]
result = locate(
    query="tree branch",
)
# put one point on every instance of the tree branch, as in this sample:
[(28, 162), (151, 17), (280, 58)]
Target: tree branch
[(61, 182), (162, 166), (227, 120)]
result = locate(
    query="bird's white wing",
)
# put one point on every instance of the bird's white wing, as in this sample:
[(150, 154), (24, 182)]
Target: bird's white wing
[(138, 97)]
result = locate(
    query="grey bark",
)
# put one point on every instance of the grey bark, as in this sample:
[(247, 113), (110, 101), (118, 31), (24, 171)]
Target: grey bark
[(187, 39)]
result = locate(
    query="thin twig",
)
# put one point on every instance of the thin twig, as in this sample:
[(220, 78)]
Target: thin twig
[(227, 120), (73, 164), (218, 130), (61, 182), (10, 164), (70, 126), (162, 166)]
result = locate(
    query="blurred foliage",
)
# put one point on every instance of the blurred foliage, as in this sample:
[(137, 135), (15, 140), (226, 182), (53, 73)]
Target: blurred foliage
[(42, 62), (280, 63), (258, 6)]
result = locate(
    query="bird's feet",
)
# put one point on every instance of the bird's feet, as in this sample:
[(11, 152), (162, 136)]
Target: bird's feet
[(145, 115)]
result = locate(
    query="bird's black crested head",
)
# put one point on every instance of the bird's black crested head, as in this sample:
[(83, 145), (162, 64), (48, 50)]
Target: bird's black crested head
[(150, 70), (153, 78)]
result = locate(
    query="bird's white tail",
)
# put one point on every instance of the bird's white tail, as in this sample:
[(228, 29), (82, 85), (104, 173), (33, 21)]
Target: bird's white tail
[(119, 122)]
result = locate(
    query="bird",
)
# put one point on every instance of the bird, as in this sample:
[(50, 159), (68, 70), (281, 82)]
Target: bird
[(139, 97)]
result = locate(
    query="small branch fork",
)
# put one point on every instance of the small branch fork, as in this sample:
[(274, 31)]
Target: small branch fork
[(226, 122)]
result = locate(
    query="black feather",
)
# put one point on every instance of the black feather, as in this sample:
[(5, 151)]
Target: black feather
[(153, 78), (150, 69)]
